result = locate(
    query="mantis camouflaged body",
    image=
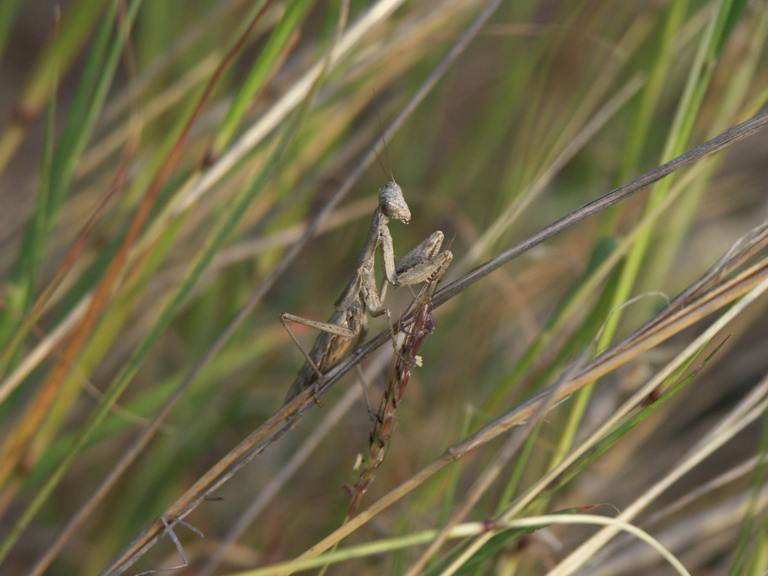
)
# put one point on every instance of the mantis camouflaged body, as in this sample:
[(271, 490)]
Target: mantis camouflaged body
[(346, 328)]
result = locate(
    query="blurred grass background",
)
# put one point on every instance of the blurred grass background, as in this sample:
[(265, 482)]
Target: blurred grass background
[(118, 197)]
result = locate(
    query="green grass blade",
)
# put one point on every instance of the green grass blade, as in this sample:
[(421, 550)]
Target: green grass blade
[(728, 109), (678, 138), (259, 73), (87, 105)]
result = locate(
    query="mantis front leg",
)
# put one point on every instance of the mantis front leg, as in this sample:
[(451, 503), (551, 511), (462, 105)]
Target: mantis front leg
[(417, 266), (425, 263)]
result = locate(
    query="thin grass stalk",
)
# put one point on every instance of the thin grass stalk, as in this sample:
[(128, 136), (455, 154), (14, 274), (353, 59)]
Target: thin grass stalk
[(636, 399), (649, 99), (729, 476), (699, 536), (483, 483), (545, 177), (151, 110), (751, 408), (278, 481), (521, 525), (183, 45)]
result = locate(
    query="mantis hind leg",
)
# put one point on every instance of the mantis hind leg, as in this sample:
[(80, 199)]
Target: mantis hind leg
[(335, 329), (327, 327)]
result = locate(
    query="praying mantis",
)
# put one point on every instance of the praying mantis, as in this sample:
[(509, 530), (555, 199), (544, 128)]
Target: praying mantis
[(346, 328)]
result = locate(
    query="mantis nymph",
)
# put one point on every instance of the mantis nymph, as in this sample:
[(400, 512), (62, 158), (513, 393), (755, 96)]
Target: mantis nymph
[(346, 328)]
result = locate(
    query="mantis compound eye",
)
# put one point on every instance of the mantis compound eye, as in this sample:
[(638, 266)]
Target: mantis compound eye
[(392, 202)]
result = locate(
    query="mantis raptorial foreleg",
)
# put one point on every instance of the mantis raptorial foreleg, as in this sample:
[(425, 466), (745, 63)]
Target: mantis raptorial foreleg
[(425, 263)]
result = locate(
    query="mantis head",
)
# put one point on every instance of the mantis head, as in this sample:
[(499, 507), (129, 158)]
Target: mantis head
[(392, 202)]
